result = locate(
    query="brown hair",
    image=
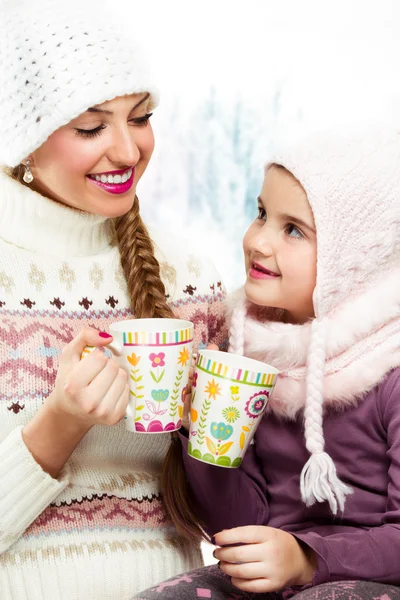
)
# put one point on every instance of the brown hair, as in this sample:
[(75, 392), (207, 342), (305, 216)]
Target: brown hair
[(18, 174), (147, 293)]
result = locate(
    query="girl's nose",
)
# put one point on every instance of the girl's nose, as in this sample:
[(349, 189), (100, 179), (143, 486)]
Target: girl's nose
[(261, 242)]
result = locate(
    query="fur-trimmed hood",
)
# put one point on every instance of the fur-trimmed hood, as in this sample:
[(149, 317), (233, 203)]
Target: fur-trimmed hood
[(362, 346)]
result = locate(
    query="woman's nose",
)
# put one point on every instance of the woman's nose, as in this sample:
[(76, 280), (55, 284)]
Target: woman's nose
[(124, 151)]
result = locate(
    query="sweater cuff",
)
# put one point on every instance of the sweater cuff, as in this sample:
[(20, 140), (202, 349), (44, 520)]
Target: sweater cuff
[(26, 490), (312, 540)]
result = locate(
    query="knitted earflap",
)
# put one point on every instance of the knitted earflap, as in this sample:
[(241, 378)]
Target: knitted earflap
[(318, 481)]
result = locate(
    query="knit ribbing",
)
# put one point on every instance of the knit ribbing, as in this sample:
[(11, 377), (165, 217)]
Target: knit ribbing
[(31, 492), (67, 231)]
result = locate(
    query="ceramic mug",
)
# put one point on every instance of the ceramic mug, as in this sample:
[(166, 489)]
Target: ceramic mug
[(229, 396), (156, 354)]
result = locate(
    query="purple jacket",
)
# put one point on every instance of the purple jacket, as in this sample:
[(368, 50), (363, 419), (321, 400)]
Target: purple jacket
[(364, 443)]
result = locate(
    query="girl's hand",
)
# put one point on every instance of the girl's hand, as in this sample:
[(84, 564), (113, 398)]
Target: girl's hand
[(269, 560), (94, 390)]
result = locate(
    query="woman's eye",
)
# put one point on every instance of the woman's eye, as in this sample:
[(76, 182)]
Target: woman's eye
[(261, 213), (293, 231), (142, 121), (90, 132)]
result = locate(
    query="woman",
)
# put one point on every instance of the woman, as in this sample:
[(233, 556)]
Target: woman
[(81, 514)]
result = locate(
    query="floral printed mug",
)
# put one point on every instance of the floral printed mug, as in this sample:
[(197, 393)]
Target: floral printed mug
[(229, 396), (157, 354)]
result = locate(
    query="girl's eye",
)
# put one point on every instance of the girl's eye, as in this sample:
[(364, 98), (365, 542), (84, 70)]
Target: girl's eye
[(89, 133), (142, 121), (261, 213), (293, 231)]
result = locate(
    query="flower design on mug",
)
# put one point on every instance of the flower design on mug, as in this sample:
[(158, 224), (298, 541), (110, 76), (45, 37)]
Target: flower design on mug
[(157, 426), (157, 360), (184, 357), (160, 395), (213, 389), (255, 405), (221, 431), (231, 414), (235, 391), (133, 359)]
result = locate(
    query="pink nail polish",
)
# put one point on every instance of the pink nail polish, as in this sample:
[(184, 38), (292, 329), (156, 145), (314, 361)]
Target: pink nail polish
[(104, 334)]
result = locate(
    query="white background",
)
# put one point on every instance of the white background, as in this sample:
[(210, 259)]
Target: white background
[(291, 66)]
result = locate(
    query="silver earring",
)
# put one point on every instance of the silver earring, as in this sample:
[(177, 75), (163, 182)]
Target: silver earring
[(28, 177)]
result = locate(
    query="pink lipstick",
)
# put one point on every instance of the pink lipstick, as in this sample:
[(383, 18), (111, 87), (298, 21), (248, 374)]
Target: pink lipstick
[(114, 182)]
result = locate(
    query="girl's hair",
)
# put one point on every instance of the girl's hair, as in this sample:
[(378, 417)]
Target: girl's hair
[(147, 293)]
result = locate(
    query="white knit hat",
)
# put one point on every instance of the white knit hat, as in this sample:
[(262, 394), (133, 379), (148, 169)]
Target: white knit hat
[(353, 187), (56, 61)]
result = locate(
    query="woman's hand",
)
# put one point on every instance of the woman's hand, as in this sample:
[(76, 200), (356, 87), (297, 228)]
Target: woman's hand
[(269, 559), (87, 392), (94, 390)]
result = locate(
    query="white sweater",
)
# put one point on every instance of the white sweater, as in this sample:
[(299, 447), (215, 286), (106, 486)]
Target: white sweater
[(100, 531)]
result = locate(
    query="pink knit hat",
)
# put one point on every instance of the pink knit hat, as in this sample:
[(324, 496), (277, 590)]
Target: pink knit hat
[(353, 186)]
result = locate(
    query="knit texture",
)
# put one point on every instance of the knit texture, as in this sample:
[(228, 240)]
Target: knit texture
[(57, 60), (100, 531), (353, 186)]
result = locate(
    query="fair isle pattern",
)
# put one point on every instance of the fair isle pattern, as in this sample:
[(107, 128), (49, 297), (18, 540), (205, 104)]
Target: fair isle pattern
[(101, 512), (31, 342)]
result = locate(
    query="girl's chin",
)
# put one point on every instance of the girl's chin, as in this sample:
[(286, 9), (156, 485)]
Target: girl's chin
[(256, 295)]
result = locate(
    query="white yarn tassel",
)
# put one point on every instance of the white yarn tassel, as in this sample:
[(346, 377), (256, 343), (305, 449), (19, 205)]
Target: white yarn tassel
[(236, 330), (319, 481)]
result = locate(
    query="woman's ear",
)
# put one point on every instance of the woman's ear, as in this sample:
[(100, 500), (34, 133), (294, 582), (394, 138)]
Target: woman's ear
[(31, 160)]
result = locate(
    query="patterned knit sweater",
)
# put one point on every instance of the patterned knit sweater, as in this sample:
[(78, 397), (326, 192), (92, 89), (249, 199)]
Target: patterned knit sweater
[(99, 531)]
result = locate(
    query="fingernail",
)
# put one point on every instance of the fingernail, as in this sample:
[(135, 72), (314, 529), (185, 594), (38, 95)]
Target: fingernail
[(104, 334)]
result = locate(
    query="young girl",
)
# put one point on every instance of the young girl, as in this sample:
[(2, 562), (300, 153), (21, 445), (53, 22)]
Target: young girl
[(81, 516), (315, 507)]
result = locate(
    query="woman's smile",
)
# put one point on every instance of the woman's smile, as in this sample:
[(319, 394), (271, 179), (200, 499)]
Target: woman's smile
[(114, 182)]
